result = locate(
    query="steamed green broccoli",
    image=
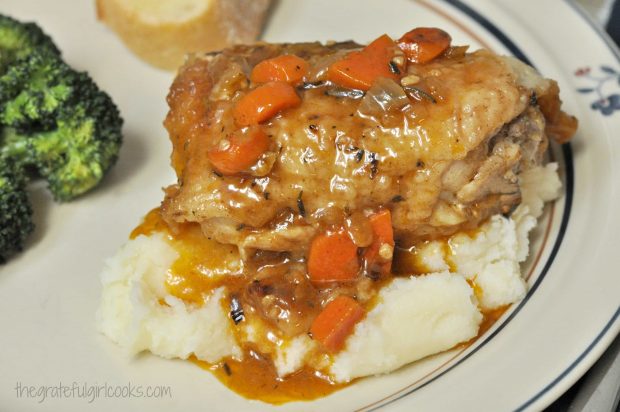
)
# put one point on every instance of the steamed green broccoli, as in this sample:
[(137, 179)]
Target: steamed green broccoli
[(74, 155), (57, 122), (32, 91), (15, 211), (18, 40), (61, 125), (54, 121)]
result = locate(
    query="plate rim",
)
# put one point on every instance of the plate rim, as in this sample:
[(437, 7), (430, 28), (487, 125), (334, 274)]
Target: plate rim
[(591, 354), (583, 362), (597, 346)]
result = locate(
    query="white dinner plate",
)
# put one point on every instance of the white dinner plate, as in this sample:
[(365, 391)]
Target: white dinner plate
[(49, 293)]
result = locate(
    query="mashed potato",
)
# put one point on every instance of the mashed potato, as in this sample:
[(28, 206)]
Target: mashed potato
[(133, 316), (414, 317)]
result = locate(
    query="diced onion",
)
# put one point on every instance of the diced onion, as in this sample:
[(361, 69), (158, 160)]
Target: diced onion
[(359, 229), (385, 95), (319, 68)]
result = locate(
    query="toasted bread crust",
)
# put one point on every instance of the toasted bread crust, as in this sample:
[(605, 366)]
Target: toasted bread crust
[(164, 43)]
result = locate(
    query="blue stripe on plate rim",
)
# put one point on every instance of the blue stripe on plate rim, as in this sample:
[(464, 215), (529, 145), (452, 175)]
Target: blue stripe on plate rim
[(569, 169), (616, 52)]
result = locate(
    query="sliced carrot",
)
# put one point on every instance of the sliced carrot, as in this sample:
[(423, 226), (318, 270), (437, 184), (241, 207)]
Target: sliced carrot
[(287, 68), (332, 258), (264, 102), (359, 69), (381, 223), (336, 322), (239, 151), (383, 232), (423, 44)]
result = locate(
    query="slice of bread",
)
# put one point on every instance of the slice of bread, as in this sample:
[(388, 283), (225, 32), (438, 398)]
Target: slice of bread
[(162, 32)]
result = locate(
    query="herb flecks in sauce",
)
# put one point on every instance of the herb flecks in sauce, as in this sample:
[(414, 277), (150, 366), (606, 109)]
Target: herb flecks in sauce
[(205, 265)]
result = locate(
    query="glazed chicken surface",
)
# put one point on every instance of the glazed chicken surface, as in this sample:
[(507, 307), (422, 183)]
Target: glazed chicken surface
[(439, 144)]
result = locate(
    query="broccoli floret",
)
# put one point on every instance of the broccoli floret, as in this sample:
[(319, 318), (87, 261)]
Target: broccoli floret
[(18, 40), (57, 122), (14, 147), (15, 211), (74, 154), (32, 91), (54, 122)]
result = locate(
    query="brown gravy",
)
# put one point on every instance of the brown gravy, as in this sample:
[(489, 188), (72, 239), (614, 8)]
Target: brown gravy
[(255, 378), (199, 269)]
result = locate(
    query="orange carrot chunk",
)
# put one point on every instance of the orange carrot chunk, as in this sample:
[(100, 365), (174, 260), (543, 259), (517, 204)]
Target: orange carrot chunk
[(239, 151), (264, 102), (286, 68), (423, 44), (332, 258), (376, 259), (336, 322), (359, 69)]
